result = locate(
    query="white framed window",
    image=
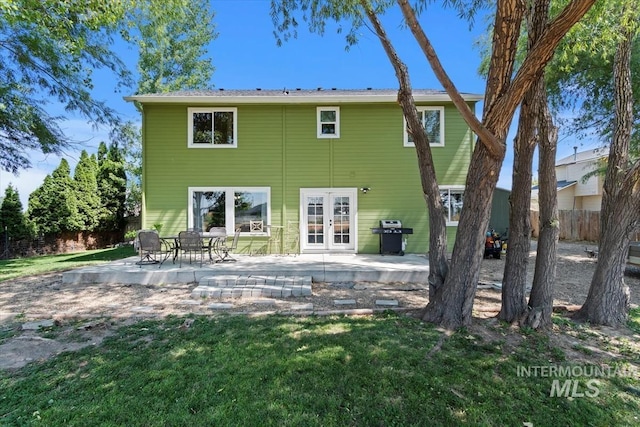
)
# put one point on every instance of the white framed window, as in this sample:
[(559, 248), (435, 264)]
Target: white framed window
[(452, 200), (213, 127), (432, 119), (328, 122), (231, 208)]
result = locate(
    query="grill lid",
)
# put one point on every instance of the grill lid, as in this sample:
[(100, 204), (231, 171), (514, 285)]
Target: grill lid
[(390, 223)]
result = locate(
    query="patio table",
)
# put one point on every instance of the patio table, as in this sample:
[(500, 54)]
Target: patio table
[(209, 240)]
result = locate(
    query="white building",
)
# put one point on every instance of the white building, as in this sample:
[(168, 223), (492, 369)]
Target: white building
[(574, 191)]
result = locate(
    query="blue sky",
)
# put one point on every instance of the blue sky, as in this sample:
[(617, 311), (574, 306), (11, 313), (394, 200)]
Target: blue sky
[(245, 56)]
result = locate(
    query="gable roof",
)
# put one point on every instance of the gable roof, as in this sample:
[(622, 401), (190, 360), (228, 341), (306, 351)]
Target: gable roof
[(293, 96), (560, 185), (584, 156)]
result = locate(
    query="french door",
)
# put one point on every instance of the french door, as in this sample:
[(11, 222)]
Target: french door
[(328, 220)]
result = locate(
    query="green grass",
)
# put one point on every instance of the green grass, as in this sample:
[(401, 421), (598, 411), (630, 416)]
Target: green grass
[(285, 371), (634, 319), (13, 268)]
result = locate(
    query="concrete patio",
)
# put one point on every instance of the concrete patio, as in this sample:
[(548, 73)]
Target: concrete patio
[(410, 268)]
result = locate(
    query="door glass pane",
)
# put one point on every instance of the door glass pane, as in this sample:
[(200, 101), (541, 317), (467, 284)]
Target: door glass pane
[(250, 206), (341, 219), (208, 209), (315, 220)]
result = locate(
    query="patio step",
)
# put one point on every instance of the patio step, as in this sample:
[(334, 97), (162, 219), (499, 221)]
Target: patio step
[(242, 286)]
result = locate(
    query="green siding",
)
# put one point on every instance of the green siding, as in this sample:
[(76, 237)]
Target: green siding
[(278, 148)]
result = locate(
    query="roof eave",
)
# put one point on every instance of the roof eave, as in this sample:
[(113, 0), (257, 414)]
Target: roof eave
[(285, 99)]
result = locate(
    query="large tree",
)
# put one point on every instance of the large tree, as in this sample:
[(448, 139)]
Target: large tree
[(48, 50), (173, 56), (12, 218), (592, 80), (608, 298), (86, 188), (52, 206), (173, 46), (453, 285), (112, 187)]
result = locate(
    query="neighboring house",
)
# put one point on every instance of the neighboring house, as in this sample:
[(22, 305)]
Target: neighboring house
[(318, 167), (574, 192)]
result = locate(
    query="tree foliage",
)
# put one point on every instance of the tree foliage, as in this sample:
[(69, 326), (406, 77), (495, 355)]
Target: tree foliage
[(173, 46), (172, 39), (86, 188), (112, 187), (53, 206), (580, 79), (48, 51), (12, 217)]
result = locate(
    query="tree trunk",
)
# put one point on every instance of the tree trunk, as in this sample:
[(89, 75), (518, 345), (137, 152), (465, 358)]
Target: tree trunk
[(541, 298), (514, 282), (608, 300), (514, 303), (451, 305), (438, 264)]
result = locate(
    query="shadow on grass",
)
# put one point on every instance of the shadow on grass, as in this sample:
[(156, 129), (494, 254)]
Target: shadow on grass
[(49, 263), (101, 255), (298, 371)]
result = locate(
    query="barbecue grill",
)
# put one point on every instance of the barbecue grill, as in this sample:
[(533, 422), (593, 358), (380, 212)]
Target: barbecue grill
[(391, 232)]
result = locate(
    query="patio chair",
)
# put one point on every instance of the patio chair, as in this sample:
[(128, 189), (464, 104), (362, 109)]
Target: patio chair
[(190, 242), (152, 249), (224, 250)]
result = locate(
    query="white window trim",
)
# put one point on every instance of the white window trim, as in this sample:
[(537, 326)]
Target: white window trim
[(192, 110), (230, 225), (321, 135), (455, 189), (405, 140)]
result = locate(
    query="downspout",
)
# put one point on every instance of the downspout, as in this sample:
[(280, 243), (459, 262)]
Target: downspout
[(283, 210), (143, 186)]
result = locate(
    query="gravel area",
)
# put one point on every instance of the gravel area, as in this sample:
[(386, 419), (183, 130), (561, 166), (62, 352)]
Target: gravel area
[(84, 314)]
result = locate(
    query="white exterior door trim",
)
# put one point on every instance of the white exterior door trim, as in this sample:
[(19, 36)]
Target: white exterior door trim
[(328, 245)]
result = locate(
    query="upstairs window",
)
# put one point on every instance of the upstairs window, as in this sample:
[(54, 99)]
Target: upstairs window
[(432, 119), (213, 127), (328, 122)]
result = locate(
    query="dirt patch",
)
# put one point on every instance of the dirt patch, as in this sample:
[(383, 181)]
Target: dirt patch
[(74, 306)]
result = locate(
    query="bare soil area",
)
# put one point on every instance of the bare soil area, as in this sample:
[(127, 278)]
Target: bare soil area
[(85, 314)]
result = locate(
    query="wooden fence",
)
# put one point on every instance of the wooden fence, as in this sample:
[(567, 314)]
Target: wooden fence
[(574, 225)]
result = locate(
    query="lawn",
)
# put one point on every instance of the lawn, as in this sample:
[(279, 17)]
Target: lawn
[(19, 267), (386, 370)]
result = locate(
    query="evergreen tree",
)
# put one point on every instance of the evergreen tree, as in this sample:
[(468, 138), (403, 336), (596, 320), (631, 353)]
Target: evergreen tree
[(12, 219), (86, 186), (112, 187), (52, 206)]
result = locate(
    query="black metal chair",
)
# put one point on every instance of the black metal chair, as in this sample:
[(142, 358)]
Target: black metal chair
[(190, 242), (152, 249), (223, 249)]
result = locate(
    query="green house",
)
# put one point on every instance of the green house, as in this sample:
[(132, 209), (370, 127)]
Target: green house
[(298, 171)]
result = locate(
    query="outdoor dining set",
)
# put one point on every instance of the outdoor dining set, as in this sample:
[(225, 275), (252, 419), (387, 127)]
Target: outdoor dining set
[(156, 249)]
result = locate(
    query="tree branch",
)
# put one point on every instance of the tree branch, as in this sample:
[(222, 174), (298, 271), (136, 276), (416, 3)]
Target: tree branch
[(536, 60), (493, 144)]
